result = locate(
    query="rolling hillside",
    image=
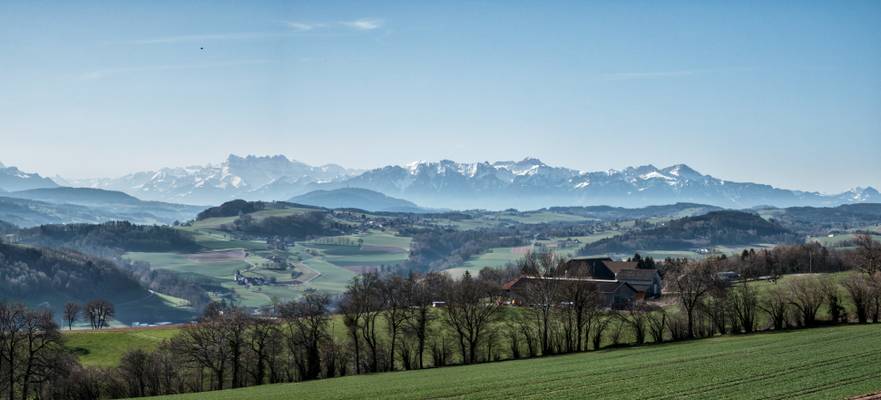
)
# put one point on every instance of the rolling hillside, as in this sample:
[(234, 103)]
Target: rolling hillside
[(49, 278), (363, 199), (827, 363), (62, 205), (712, 229)]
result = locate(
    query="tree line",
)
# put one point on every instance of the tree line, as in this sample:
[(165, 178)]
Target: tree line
[(387, 323)]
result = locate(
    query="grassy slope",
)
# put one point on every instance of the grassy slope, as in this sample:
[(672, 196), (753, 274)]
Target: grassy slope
[(105, 348), (810, 364)]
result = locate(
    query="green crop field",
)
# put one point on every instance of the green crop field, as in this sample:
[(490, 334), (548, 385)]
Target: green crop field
[(819, 363), (837, 240), (105, 348), (494, 258)]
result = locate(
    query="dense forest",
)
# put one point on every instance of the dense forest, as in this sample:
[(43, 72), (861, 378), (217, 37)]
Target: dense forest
[(297, 227), (715, 228), (49, 278), (106, 243), (120, 235), (232, 208), (621, 213), (819, 221), (6, 227), (438, 249), (235, 208)]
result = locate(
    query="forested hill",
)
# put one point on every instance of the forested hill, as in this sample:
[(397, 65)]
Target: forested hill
[(357, 198), (111, 235), (6, 227), (819, 220), (712, 229), (48, 278), (235, 208), (276, 219)]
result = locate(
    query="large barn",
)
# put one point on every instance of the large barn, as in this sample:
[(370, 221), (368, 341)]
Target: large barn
[(611, 294), (645, 281)]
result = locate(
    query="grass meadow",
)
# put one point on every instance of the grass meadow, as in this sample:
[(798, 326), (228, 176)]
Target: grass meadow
[(822, 363)]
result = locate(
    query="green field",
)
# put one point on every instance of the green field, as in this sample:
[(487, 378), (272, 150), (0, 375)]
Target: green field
[(494, 258), (335, 266), (836, 240), (824, 363), (105, 348)]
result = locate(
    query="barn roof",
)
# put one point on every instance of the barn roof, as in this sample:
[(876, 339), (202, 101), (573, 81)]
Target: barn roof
[(618, 266), (602, 285)]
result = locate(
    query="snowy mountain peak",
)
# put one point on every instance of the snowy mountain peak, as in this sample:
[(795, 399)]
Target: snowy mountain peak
[(13, 179), (682, 170), (862, 195)]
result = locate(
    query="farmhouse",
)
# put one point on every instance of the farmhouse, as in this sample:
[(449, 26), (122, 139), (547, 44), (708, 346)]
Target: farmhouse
[(249, 280), (645, 281), (611, 293)]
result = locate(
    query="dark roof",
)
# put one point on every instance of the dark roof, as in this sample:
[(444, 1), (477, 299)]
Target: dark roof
[(637, 274), (618, 266), (602, 285), (591, 258)]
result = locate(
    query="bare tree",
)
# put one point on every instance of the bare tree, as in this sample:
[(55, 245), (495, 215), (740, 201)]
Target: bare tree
[(472, 305), (603, 322), (367, 291), (776, 305), (395, 292), (542, 292), (692, 282), (32, 345), (807, 294), (353, 313), (860, 289), (133, 366), (306, 322), (657, 321), (868, 258), (868, 255), (71, 314), (207, 346), (421, 292), (637, 316), (744, 302), (262, 335), (99, 312)]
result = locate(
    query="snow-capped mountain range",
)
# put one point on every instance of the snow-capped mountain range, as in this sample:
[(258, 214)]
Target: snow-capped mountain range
[(12, 179), (251, 177), (530, 183), (524, 184)]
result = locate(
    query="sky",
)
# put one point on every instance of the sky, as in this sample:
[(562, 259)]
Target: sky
[(783, 93)]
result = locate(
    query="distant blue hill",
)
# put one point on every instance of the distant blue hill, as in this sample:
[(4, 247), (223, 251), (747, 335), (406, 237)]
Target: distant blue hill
[(364, 199)]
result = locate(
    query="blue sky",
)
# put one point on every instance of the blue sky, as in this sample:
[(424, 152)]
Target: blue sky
[(785, 93)]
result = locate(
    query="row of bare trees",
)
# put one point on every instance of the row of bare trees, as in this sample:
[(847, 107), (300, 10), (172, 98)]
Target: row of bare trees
[(98, 312), (711, 305)]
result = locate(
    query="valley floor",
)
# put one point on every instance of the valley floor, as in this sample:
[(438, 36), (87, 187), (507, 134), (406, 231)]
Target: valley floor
[(822, 363)]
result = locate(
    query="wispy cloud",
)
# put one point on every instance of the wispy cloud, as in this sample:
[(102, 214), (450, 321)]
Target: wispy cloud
[(294, 27), (105, 72), (630, 76), (304, 26), (364, 24)]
